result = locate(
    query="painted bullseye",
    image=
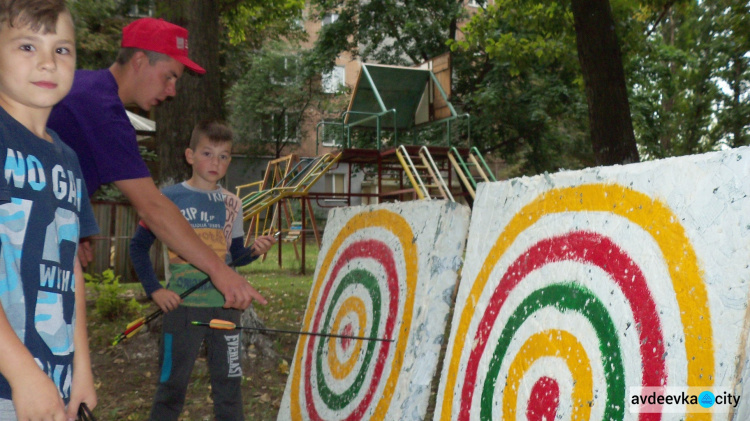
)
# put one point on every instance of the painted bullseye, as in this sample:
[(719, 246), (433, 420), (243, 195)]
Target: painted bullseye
[(550, 343), (653, 217), (544, 400), (335, 400), (393, 310), (575, 298), (597, 250), (338, 401), (340, 370)]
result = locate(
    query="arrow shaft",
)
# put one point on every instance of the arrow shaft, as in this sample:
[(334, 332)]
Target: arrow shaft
[(299, 332)]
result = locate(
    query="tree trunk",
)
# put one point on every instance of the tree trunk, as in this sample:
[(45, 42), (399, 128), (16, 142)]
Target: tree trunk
[(198, 97), (611, 127)]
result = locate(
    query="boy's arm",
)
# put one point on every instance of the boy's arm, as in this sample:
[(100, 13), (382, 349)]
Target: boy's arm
[(82, 389), (34, 394), (139, 246), (167, 223), (242, 256)]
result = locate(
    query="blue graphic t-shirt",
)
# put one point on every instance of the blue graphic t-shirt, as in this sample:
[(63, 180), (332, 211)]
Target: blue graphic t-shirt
[(212, 214), (44, 210)]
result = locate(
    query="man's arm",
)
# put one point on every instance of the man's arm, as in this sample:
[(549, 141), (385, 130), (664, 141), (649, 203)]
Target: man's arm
[(166, 222), (82, 389)]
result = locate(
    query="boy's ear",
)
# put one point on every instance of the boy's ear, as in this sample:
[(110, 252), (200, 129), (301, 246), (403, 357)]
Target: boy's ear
[(189, 156)]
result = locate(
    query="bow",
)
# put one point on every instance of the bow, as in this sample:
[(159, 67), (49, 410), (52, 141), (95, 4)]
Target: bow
[(133, 327)]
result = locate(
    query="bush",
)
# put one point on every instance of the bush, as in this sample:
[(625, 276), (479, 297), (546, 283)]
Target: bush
[(109, 304)]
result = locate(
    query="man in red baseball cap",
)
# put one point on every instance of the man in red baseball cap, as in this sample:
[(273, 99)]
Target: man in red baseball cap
[(162, 37), (93, 121)]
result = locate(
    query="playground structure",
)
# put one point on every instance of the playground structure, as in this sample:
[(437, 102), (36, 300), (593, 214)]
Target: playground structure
[(389, 106), (286, 178), (399, 105)]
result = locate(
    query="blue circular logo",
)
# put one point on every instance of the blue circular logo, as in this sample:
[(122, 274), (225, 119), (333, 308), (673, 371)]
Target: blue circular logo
[(706, 399)]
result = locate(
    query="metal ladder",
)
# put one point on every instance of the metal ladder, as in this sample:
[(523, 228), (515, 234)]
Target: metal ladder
[(430, 170), (434, 172), (463, 168)]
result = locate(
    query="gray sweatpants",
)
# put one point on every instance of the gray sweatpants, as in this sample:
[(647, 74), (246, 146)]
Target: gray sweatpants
[(180, 344)]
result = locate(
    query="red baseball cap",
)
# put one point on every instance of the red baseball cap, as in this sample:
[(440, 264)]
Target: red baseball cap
[(162, 37)]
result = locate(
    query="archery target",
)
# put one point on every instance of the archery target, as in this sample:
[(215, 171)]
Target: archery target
[(581, 285), (385, 271)]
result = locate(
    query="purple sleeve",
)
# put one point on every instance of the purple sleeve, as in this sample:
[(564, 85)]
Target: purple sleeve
[(94, 123)]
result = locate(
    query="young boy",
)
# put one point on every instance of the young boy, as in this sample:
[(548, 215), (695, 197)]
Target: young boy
[(215, 214), (44, 363)]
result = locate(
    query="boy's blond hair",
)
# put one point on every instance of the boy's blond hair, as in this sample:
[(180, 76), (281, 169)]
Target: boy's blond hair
[(37, 14), (216, 131)]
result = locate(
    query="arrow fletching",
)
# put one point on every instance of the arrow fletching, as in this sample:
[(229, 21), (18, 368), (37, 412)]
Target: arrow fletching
[(131, 329), (217, 324)]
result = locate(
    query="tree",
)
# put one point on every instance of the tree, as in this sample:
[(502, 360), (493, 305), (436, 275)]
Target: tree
[(99, 26), (611, 127), (210, 23), (272, 101), (522, 90), (689, 79)]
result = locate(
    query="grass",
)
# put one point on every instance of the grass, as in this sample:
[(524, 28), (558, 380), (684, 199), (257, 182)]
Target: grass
[(126, 375)]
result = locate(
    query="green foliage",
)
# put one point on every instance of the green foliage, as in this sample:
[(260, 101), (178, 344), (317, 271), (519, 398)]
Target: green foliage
[(109, 302), (256, 21), (99, 26), (269, 102), (400, 33)]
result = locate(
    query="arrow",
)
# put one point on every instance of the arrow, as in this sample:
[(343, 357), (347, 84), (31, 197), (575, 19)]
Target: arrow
[(133, 327), (226, 325)]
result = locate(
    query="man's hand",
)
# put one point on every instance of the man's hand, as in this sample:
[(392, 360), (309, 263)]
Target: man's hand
[(166, 300), (238, 293), (262, 244), (85, 254)]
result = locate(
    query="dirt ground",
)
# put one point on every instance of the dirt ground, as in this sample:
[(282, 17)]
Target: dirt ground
[(126, 377)]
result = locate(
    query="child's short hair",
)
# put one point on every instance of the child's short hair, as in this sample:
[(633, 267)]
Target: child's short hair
[(216, 131), (37, 14)]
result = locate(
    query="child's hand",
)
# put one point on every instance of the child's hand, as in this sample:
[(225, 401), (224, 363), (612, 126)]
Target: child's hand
[(82, 390), (166, 300), (37, 398), (262, 244)]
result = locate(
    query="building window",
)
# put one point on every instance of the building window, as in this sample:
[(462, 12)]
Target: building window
[(330, 135), (337, 183), (332, 81), (284, 70), (272, 129), (330, 18), (141, 8), (475, 3)]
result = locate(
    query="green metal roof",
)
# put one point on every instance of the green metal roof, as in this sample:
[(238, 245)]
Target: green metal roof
[(380, 89)]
